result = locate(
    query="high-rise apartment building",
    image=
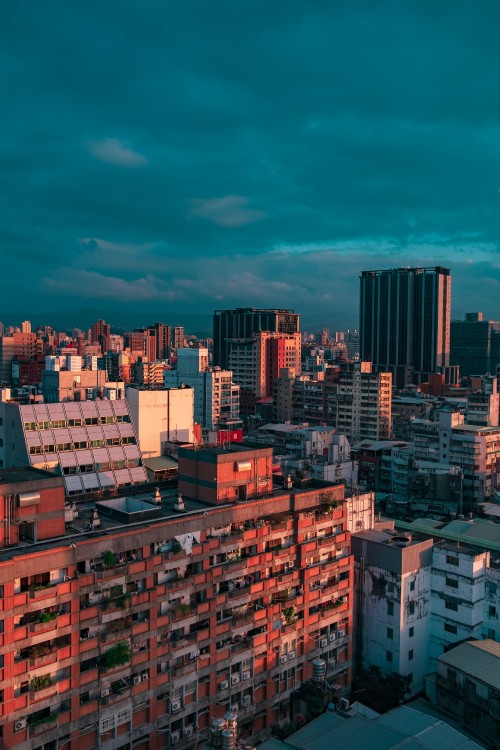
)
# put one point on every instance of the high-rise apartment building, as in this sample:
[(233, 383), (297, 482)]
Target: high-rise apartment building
[(178, 339), (144, 630), (405, 322), (364, 404), (99, 334), (256, 363), (243, 322), (216, 396), (26, 326)]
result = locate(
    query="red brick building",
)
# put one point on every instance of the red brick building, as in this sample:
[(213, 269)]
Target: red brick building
[(140, 631)]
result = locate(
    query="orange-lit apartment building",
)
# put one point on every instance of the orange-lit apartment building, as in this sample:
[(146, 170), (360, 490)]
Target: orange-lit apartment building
[(135, 622)]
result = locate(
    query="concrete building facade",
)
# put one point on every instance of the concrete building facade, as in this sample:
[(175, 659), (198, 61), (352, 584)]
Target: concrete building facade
[(161, 416), (141, 633)]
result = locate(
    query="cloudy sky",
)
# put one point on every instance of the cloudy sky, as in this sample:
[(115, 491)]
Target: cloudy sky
[(180, 156)]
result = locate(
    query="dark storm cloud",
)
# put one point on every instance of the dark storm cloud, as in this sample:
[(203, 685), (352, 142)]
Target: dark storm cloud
[(198, 154)]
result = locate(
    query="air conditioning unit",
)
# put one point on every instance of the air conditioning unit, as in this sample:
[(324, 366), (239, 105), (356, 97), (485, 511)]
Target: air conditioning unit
[(323, 642), (246, 700), (175, 737), (291, 565), (235, 707), (291, 654), (283, 658), (235, 678), (341, 633), (246, 674), (188, 731), (144, 676), (175, 706), (333, 636), (223, 685), (20, 724), (105, 692), (136, 679)]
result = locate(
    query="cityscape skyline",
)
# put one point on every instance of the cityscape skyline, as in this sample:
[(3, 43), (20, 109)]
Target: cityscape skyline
[(281, 151)]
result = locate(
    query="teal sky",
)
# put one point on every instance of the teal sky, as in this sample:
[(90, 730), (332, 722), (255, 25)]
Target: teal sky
[(179, 156)]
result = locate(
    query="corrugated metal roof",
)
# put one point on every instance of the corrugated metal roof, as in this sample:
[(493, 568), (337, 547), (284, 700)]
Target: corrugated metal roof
[(402, 727), (427, 731), (479, 659)]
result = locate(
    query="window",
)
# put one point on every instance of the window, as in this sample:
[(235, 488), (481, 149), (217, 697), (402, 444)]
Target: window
[(492, 587), (410, 655), (451, 582), (411, 608), (411, 632), (492, 611), (390, 633), (452, 560), (410, 676), (390, 587), (388, 656), (448, 628), (190, 687), (390, 608), (412, 585), (451, 604)]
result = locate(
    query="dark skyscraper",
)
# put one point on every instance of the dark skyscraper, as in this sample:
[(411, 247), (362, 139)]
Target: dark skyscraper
[(245, 321), (405, 322), (475, 344)]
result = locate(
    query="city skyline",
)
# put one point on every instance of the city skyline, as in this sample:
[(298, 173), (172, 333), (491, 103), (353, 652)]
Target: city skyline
[(281, 151)]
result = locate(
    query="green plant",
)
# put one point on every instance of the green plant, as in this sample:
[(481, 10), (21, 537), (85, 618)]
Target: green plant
[(40, 682), (117, 687), (117, 655), (109, 559), (47, 616), (175, 546), (289, 615)]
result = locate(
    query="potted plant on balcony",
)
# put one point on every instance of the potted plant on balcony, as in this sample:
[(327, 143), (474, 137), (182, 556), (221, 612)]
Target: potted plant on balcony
[(289, 615)]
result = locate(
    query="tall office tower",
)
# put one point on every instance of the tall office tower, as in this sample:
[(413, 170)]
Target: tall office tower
[(99, 334), (475, 344), (243, 322), (26, 326), (178, 337), (405, 322)]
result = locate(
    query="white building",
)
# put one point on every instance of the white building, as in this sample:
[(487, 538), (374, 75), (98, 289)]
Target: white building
[(392, 603), (415, 599), (93, 444), (161, 417), (216, 397)]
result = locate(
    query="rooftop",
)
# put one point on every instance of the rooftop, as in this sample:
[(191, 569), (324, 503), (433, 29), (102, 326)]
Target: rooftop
[(401, 727), (26, 474), (478, 659)]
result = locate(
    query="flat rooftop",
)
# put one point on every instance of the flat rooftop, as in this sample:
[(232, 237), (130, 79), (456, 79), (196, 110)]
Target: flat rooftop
[(25, 474)]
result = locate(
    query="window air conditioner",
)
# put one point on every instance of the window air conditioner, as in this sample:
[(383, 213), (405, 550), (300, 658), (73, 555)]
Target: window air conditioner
[(341, 633), (144, 676), (175, 737), (323, 642), (283, 658), (175, 706), (105, 692), (235, 678), (291, 654), (246, 675), (332, 637), (246, 700), (188, 731), (235, 707), (223, 685), (136, 679), (20, 724)]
